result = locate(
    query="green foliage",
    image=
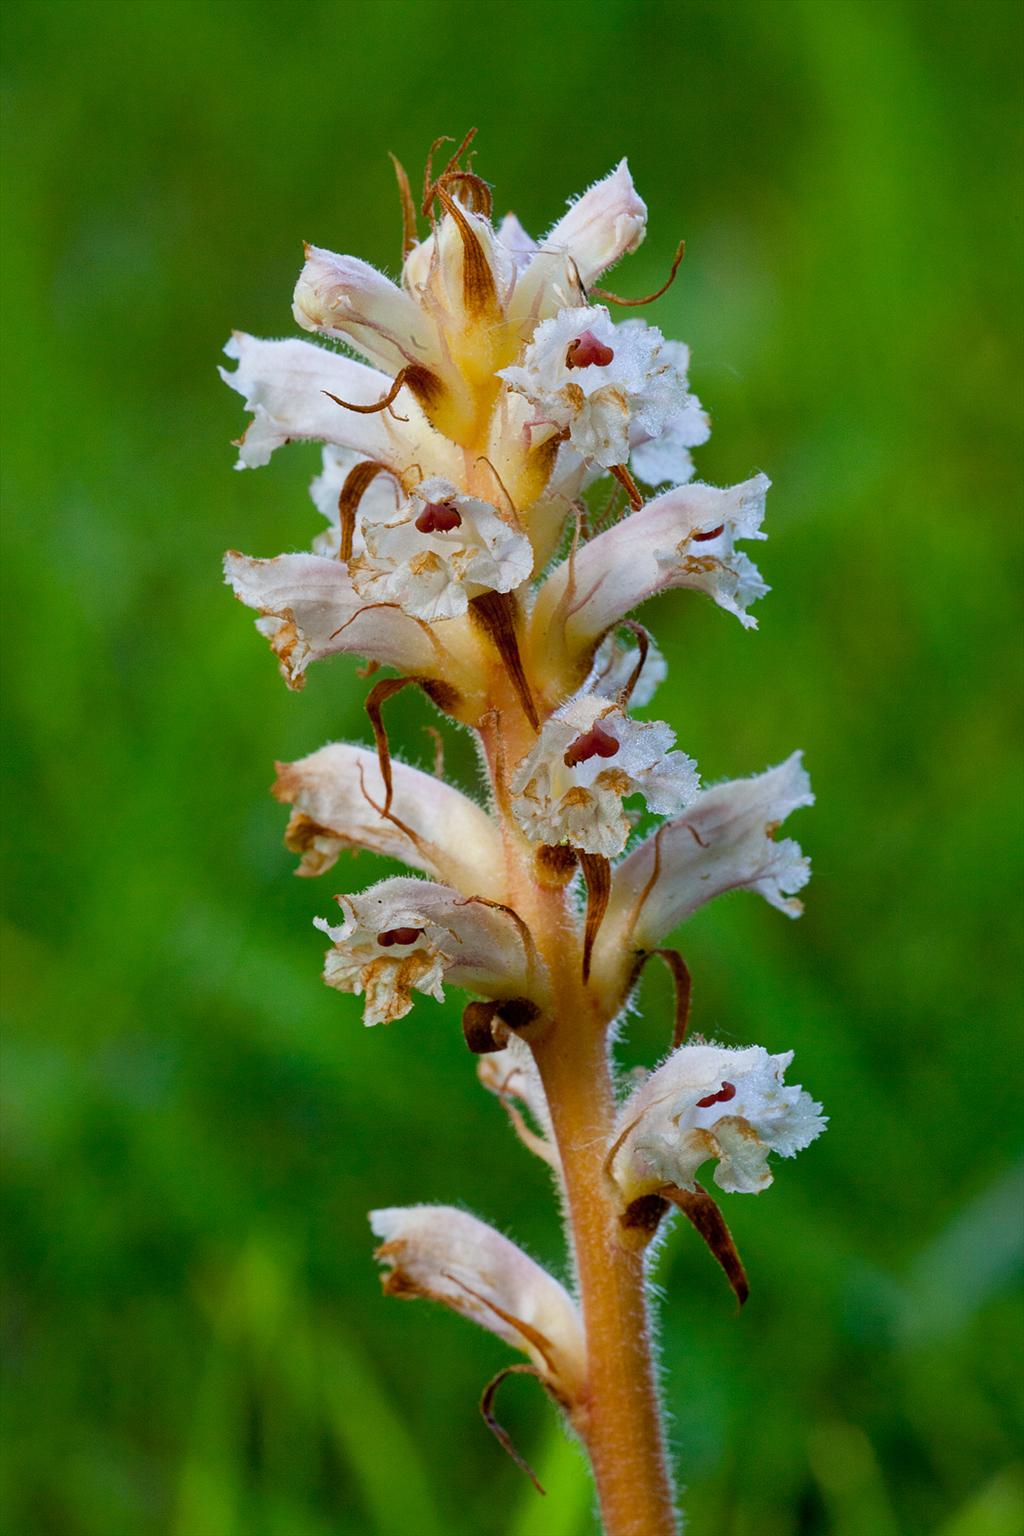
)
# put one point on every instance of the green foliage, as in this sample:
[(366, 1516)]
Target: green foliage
[(195, 1127)]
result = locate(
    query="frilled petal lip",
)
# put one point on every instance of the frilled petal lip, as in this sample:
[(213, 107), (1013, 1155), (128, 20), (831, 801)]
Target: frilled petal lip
[(467, 941), (338, 797), (727, 1103), (581, 803)]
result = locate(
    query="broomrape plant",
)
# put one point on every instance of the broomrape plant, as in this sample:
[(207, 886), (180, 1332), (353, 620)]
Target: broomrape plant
[(494, 390)]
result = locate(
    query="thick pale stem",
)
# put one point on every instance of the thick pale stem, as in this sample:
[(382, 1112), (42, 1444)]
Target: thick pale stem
[(620, 1419)]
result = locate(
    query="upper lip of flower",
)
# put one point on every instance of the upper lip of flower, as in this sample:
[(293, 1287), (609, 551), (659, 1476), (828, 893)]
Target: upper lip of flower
[(338, 795), (725, 839), (347, 299), (607, 222)]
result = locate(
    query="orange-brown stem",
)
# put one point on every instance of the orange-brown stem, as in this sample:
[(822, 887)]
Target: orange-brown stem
[(620, 1419), (623, 1424)]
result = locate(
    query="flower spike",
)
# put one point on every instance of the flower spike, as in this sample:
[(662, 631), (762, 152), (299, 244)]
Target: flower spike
[(506, 476)]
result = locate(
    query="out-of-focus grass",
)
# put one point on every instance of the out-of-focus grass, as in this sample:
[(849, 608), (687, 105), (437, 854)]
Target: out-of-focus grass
[(194, 1126)]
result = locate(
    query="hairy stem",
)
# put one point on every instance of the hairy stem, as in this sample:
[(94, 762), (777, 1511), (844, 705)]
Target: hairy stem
[(623, 1425), (620, 1420)]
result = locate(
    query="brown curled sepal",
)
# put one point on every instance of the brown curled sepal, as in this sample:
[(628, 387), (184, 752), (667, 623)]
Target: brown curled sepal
[(597, 872), (375, 701), (703, 1212)]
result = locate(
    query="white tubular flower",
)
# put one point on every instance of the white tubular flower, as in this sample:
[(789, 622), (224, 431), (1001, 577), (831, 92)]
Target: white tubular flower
[(439, 550), (664, 458), (709, 1101), (725, 841), (406, 935), (449, 1256), (310, 609), (589, 757), (607, 222), (599, 382), (348, 300), (338, 798), (683, 538), (287, 384)]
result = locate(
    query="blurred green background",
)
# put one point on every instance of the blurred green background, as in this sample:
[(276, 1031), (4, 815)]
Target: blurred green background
[(195, 1126)]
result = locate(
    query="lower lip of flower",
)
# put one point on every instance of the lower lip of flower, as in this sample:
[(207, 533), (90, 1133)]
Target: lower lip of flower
[(593, 743), (438, 517), (398, 936), (586, 352)]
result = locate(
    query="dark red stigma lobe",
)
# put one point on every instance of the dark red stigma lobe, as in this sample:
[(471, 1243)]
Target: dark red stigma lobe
[(593, 743), (438, 517), (712, 533), (724, 1094), (398, 936), (587, 352)]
